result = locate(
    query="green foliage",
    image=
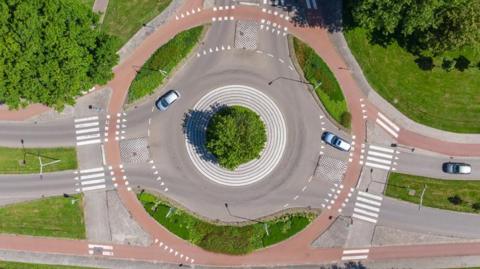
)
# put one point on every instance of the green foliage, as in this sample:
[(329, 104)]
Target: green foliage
[(346, 119), (124, 18), (51, 51), (434, 26), (54, 216), (235, 135), (448, 64), (165, 59), (456, 195), (317, 73), (437, 98), (476, 206), (11, 160), (234, 240), (21, 265), (456, 199)]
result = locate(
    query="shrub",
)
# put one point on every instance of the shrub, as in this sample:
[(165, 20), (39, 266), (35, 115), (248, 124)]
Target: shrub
[(346, 119), (456, 199), (476, 206), (448, 64), (462, 63)]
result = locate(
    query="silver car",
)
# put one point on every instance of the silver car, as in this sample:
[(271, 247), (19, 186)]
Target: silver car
[(336, 141), (456, 168), (167, 99)]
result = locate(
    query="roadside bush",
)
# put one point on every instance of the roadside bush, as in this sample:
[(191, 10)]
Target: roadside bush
[(476, 206), (462, 63), (448, 64), (346, 119), (456, 199)]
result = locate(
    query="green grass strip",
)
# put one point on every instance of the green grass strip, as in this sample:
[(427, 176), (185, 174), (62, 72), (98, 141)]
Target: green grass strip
[(447, 100), (317, 72), (234, 240), (437, 193), (11, 160), (53, 217), (162, 62), (21, 265), (124, 18)]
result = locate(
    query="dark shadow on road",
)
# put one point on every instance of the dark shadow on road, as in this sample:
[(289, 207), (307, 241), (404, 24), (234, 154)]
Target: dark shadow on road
[(195, 125), (327, 15)]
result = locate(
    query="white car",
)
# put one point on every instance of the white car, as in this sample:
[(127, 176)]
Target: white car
[(456, 168), (336, 141), (167, 99)]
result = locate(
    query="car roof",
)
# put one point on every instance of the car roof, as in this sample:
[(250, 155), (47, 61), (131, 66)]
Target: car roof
[(464, 168), (171, 96)]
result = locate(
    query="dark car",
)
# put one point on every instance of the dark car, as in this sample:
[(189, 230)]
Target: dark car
[(456, 168)]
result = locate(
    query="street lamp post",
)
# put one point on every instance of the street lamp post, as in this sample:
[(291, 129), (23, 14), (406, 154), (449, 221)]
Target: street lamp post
[(265, 225), (394, 145), (296, 80), (24, 153)]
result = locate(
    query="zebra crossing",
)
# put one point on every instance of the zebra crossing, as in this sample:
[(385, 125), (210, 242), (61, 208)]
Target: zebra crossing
[(367, 206), (355, 254), (90, 179), (387, 125), (87, 131), (379, 157), (105, 250)]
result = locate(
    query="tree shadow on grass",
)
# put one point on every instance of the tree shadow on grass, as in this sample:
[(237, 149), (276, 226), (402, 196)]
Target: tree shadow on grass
[(194, 127)]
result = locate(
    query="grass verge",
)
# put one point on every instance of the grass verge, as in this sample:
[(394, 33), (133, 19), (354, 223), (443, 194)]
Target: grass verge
[(89, 4), (438, 193), (11, 160), (447, 100), (234, 240), (53, 216), (328, 91), (162, 62), (21, 265), (124, 18)]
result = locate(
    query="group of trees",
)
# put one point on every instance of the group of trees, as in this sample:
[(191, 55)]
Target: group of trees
[(433, 26), (51, 51)]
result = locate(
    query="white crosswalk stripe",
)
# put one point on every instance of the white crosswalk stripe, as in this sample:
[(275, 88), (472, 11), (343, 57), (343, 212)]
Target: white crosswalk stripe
[(387, 125), (91, 179), (105, 250), (87, 131), (355, 254), (380, 157), (367, 206)]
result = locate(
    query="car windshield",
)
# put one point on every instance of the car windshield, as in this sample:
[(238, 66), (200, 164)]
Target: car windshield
[(164, 102)]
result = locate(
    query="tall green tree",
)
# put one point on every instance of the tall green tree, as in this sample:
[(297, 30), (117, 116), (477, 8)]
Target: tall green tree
[(235, 135), (429, 25), (51, 51)]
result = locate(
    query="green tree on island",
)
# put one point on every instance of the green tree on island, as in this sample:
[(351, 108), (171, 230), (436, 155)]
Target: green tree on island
[(235, 135), (435, 26), (51, 51)]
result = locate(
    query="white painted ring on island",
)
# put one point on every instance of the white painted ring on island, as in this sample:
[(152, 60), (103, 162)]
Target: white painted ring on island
[(253, 99)]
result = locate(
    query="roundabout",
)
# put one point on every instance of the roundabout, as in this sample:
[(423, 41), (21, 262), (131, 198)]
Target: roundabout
[(197, 121)]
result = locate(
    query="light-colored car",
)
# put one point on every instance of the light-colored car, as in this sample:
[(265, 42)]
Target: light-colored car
[(336, 141), (456, 168), (167, 99)]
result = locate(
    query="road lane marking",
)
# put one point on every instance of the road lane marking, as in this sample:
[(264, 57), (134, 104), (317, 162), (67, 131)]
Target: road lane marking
[(361, 199), (369, 195), (92, 170), (90, 130), (86, 119), (382, 149), (84, 125), (97, 141), (364, 218), (393, 125)]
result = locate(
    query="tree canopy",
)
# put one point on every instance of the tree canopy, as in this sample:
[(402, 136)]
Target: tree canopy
[(425, 25), (51, 51), (235, 135)]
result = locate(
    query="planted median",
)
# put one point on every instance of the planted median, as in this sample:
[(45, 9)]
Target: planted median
[(456, 195), (152, 74), (53, 217), (27, 160), (324, 82), (226, 239)]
